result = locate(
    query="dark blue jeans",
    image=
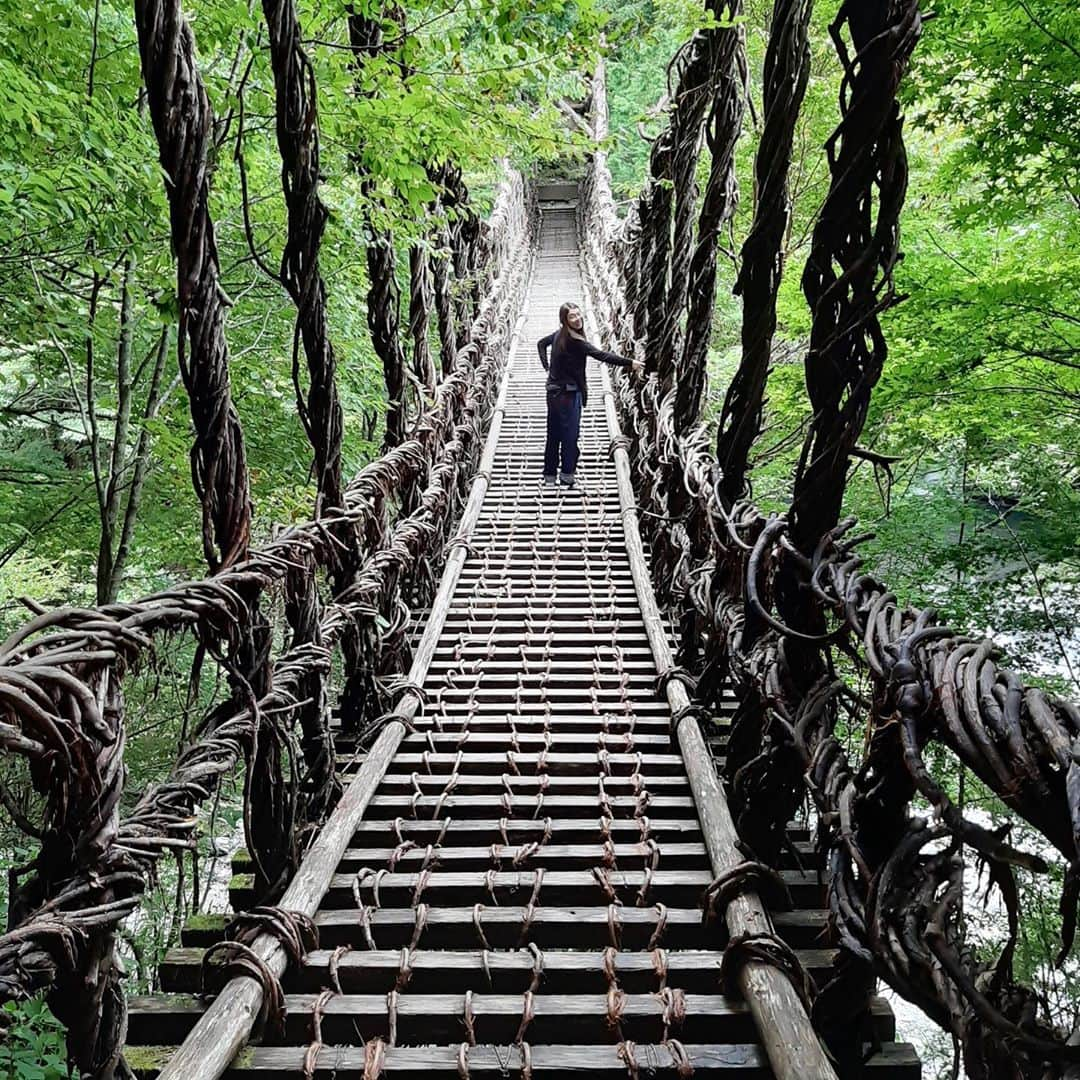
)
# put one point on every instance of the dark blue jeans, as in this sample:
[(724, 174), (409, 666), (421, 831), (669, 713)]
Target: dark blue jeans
[(563, 425)]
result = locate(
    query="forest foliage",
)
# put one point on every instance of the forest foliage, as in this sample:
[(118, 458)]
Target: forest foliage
[(87, 329), (979, 403), (980, 396)]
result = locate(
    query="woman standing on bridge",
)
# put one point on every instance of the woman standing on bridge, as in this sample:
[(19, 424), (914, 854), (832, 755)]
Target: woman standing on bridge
[(567, 393)]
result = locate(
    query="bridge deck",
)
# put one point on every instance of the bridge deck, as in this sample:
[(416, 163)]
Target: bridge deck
[(523, 894)]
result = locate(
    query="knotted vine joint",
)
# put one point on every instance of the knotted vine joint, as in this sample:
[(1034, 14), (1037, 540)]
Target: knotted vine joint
[(765, 948), (749, 876), (294, 931), (696, 712)]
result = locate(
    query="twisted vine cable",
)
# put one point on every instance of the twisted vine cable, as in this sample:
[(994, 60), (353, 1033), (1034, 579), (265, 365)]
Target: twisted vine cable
[(855, 245), (296, 112), (182, 121), (717, 208), (786, 73)]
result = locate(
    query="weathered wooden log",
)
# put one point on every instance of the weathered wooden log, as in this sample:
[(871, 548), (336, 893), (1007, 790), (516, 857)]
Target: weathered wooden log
[(437, 1018), (896, 1061)]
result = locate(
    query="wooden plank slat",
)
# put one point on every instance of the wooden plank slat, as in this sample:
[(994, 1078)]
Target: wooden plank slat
[(392, 806), (680, 888), (549, 927), (895, 1061), (429, 1018), (527, 785), (554, 763), (438, 1018)]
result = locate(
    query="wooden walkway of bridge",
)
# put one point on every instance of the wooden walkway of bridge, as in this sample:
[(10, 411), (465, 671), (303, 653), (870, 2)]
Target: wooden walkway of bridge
[(522, 893)]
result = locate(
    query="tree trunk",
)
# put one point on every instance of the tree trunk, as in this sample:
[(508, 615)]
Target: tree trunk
[(140, 464), (110, 504)]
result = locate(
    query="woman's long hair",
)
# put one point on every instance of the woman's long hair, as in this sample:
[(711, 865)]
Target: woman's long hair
[(562, 339)]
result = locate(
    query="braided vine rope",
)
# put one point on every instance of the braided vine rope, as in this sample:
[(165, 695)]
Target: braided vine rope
[(787, 71), (761, 603), (182, 121), (298, 143)]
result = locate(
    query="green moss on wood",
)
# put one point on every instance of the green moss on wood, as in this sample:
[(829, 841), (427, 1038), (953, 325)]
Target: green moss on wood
[(201, 924), (147, 1061)]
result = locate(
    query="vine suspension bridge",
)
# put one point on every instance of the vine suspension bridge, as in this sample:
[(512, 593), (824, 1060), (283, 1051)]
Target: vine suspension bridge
[(525, 884), (543, 781)]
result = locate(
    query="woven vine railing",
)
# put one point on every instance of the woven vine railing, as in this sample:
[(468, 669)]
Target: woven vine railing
[(779, 606), (62, 677), (349, 580)]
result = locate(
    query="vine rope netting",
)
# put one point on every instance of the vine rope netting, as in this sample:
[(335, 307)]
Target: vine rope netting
[(780, 607)]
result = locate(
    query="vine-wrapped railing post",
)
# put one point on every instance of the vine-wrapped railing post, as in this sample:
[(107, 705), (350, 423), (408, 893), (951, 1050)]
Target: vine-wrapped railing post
[(442, 178), (444, 306), (700, 69), (466, 239), (297, 129), (384, 322), (848, 276), (182, 121)]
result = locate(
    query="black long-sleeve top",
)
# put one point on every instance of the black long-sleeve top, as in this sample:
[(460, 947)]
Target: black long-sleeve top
[(567, 366)]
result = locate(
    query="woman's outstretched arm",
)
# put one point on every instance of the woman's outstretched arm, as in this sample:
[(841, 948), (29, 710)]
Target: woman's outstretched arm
[(604, 356)]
